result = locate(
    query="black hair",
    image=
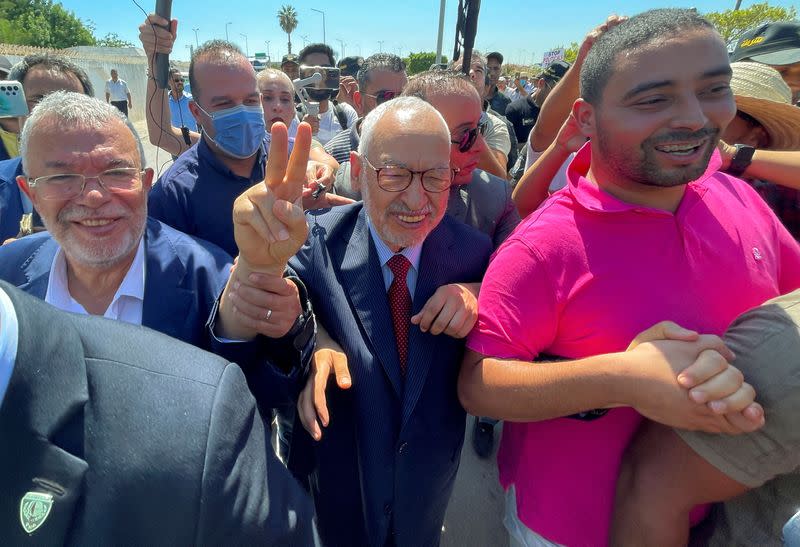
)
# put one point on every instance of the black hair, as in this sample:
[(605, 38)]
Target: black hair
[(53, 62), (317, 48), (213, 49), (380, 61), (496, 55), (637, 31)]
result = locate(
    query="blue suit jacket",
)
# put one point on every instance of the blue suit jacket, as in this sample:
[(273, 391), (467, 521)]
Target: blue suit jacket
[(388, 460), (10, 202), (184, 278)]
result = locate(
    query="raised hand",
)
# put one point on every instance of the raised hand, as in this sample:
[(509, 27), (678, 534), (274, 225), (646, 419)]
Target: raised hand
[(268, 220)]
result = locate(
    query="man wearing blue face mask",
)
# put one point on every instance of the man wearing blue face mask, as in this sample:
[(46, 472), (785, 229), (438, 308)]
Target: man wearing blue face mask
[(196, 194)]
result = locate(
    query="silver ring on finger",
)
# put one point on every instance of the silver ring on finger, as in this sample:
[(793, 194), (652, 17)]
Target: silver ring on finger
[(268, 314)]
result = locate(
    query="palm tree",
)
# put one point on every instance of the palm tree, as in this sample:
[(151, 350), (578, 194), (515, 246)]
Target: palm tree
[(287, 17)]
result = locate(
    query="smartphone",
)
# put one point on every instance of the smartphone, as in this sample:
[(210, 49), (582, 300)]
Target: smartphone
[(12, 100), (330, 76)]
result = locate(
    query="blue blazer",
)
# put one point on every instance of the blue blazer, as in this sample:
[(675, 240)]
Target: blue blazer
[(10, 202), (387, 462), (185, 277)]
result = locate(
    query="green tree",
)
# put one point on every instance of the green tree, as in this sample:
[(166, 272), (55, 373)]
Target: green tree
[(42, 23), (287, 18), (420, 62), (112, 39), (732, 23)]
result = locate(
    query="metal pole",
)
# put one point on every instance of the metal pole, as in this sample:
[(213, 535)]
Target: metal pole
[(226, 31), (341, 51), (196, 41), (324, 39), (441, 32), (246, 47), (738, 5), (380, 46), (269, 57)]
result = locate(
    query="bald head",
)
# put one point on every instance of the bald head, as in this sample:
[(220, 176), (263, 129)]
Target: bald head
[(403, 117)]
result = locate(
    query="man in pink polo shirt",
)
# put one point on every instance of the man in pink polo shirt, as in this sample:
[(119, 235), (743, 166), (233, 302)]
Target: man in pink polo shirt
[(647, 230)]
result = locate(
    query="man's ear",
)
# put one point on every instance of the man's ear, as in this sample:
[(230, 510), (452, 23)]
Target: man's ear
[(355, 171), (147, 180), (22, 182), (586, 116), (359, 103)]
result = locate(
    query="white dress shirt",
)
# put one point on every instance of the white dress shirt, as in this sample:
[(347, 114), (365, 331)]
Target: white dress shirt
[(127, 303), (384, 254), (9, 338)]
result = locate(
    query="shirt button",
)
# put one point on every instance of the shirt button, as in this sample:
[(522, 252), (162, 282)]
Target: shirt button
[(402, 447)]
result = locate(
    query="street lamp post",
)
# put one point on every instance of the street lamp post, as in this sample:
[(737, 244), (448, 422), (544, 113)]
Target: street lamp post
[(341, 45), (196, 41), (246, 47), (305, 39), (226, 31), (324, 39), (380, 46), (269, 57)]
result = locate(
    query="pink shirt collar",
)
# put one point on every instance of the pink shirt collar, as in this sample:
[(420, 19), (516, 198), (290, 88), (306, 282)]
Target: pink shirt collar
[(592, 198)]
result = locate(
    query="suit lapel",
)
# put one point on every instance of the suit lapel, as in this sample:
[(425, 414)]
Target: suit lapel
[(166, 301), (421, 346), (44, 400), (37, 268), (362, 280)]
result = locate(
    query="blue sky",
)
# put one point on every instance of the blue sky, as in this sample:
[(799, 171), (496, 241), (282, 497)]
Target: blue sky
[(521, 30)]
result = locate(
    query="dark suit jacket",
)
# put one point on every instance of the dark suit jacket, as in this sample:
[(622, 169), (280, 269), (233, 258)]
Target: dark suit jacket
[(388, 460), (185, 277), (141, 440), (10, 202)]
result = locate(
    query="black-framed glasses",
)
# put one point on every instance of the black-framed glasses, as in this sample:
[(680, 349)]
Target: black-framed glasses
[(469, 136), (393, 178), (383, 95), (68, 186)]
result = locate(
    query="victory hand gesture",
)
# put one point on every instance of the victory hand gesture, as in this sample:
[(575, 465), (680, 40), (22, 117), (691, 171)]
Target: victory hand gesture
[(268, 220)]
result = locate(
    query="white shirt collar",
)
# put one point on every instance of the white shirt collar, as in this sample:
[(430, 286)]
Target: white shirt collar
[(127, 304)]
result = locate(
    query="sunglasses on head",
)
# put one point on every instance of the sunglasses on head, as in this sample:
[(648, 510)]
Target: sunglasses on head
[(383, 95), (469, 136)]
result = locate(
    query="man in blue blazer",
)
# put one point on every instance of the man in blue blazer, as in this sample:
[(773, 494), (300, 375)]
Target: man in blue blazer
[(102, 256), (384, 280)]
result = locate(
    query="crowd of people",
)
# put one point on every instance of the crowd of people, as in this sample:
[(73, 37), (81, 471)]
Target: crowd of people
[(602, 257)]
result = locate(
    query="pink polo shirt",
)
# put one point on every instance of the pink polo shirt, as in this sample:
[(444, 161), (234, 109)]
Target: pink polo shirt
[(583, 275)]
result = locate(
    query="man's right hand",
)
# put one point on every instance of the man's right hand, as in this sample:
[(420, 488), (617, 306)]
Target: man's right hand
[(157, 35), (269, 224), (312, 406), (717, 401)]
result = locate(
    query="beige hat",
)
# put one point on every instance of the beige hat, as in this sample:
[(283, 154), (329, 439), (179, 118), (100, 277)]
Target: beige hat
[(760, 92)]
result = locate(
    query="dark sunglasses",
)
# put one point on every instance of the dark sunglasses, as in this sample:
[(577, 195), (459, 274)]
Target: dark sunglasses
[(383, 95), (469, 136)]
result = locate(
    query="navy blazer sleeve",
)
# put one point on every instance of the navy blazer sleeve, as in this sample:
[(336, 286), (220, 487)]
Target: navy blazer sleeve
[(248, 497)]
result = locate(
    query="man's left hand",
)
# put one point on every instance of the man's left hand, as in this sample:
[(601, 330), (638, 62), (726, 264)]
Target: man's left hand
[(452, 310), (347, 89), (268, 304)]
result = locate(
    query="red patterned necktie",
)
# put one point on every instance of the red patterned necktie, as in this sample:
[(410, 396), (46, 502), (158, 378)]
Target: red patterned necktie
[(400, 305)]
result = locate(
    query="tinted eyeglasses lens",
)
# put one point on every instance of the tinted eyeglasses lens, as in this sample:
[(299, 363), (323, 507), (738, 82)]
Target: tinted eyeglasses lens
[(468, 139), (383, 96)]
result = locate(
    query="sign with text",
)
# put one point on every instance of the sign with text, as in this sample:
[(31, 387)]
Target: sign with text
[(552, 56)]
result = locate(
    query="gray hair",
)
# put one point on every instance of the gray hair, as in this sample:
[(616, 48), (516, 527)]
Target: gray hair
[(380, 61), (72, 109), (407, 109)]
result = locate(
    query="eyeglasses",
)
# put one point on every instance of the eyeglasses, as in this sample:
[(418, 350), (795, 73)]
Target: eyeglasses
[(383, 95), (396, 179), (68, 186), (469, 136)]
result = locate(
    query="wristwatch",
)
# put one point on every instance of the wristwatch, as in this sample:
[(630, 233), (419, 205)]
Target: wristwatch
[(741, 160)]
